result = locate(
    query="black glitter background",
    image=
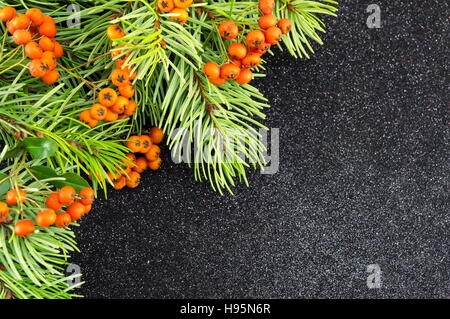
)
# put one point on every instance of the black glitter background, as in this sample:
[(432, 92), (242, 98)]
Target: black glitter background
[(363, 179)]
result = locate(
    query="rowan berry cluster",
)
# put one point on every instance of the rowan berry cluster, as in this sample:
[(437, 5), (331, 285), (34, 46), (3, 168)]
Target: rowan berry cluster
[(114, 105), (75, 206), (244, 57), (146, 155), (177, 8), (36, 32)]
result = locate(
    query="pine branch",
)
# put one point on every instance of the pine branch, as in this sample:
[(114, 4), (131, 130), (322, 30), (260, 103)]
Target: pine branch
[(222, 117), (33, 267), (305, 23), (214, 129)]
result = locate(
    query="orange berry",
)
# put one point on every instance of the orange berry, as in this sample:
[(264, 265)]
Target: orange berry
[(53, 203), (141, 165), (125, 170), (14, 196), (66, 195), (245, 76), (131, 159), (33, 51), (133, 180), (51, 77), (85, 116), (183, 4), (237, 63), (237, 51), (114, 31), (134, 144), (115, 52), (10, 27), (267, 21), (4, 210), (157, 135), (146, 142), (48, 57), (48, 29), (266, 6), (36, 16), (63, 220), (46, 44), (262, 50), (120, 183), (180, 15), (120, 77), (218, 81), (126, 91), (38, 68), (155, 165), (23, 228), (46, 218), (98, 112), (113, 176), (58, 50), (111, 116), (21, 22), (48, 19), (166, 5), (120, 105), (229, 71), (285, 25), (7, 13), (76, 210), (120, 63), (228, 30), (130, 109), (21, 37), (107, 97), (92, 123), (87, 196), (123, 67), (153, 153), (87, 209), (255, 39), (273, 35), (131, 73), (212, 70), (252, 60)]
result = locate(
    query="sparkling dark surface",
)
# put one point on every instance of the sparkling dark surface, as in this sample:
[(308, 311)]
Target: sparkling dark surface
[(363, 179)]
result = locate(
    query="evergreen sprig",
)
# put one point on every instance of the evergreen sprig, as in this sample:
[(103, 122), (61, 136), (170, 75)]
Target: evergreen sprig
[(216, 130)]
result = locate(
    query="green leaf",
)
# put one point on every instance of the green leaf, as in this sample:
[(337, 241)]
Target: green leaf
[(5, 184), (71, 179), (43, 172), (14, 152), (40, 148)]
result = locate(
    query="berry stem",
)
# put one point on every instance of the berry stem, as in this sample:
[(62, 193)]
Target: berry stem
[(80, 78), (36, 179), (90, 61)]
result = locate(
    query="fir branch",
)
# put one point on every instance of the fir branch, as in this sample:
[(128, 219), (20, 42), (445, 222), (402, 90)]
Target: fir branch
[(305, 23), (217, 128)]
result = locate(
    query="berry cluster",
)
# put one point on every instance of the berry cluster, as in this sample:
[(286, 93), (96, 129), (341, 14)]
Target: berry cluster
[(177, 8), (245, 57), (131, 170), (76, 205), (113, 106), (36, 32)]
